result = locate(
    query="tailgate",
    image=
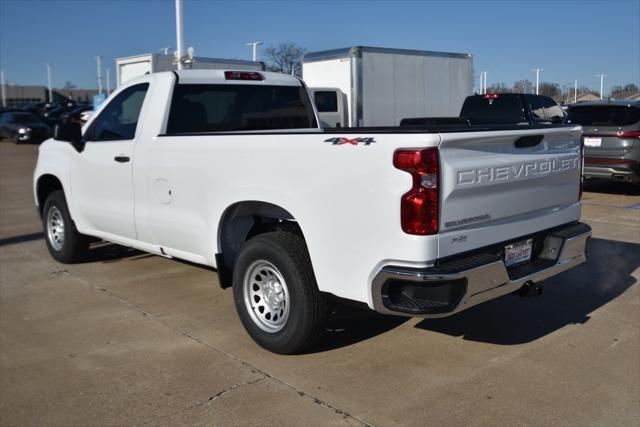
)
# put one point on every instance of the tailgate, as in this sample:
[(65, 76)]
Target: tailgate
[(498, 185)]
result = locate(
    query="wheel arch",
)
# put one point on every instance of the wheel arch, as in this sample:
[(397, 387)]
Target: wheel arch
[(243, 220), (45, 185)]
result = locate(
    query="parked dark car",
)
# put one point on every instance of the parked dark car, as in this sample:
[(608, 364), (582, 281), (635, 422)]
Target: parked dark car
[(611, 137), (498, 109), (23, 127)]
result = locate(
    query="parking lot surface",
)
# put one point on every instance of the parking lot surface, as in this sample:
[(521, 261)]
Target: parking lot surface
[(131, 338)]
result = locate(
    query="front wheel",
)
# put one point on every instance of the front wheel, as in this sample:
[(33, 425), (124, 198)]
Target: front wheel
[(64, 242), (276, 295)]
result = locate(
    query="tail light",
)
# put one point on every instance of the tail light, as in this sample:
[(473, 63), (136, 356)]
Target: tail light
[(629, 134), (491, 96), (419, 207), (243, 75)]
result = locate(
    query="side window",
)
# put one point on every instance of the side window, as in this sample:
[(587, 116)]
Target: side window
[(535, 104), (326, 101), (119, 119), (552, 111)]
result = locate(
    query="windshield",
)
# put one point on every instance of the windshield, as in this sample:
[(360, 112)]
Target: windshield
[(24, 118), (604, 115)]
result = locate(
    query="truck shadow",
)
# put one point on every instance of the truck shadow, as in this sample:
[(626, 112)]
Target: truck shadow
[(568, 299), (605, 186), (349, 324)]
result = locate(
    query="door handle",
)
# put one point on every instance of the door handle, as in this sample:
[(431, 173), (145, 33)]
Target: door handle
[(121, 159)]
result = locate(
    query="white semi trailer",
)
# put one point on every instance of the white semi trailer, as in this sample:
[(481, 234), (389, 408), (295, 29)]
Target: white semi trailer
[(372, 86), (139, 65)]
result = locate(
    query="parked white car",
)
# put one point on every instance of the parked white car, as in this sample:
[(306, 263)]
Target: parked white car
[(230, 170)]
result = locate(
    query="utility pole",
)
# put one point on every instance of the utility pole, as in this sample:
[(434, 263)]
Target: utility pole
[(99, 65), (537, 70), (575, 91), (255, 45), (179, 34), (602, 76), (2, 89), (49, 83), (483, 88), (108, 81)]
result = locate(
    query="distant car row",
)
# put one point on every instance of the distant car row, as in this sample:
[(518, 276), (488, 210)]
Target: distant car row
[(35, 122)]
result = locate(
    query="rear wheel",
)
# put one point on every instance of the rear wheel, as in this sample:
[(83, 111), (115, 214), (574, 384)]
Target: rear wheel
[(276, 295), (64, 242)]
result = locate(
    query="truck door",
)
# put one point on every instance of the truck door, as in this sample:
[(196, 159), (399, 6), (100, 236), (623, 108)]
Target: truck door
[(102, 174)]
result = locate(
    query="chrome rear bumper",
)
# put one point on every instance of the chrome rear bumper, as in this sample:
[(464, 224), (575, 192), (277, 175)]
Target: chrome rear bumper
[(485, 278)]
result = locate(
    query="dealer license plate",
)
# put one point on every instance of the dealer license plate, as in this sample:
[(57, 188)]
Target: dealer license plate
[(517, 253), (592, 142)]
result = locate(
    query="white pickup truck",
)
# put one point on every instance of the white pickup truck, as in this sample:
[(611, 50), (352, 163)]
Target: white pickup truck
[(230, 170)]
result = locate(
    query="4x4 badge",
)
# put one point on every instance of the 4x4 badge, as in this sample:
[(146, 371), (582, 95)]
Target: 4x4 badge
[(352, 141)]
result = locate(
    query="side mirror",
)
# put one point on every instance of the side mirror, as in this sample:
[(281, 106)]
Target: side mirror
[(69, 132)]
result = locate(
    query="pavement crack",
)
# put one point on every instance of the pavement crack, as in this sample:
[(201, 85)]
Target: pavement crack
[(227, 390)]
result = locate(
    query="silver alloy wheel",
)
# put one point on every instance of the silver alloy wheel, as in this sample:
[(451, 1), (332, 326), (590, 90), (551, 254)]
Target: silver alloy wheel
[(55, 228), (266, 296)]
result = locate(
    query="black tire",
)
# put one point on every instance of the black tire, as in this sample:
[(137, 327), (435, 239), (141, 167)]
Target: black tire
[(307, 306), (74, 246)]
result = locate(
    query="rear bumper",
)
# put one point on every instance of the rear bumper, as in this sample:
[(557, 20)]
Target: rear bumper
[(459, 283)]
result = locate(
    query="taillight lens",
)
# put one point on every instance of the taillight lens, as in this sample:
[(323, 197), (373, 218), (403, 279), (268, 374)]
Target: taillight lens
[(629, 134), (243, 75), (419, 207)]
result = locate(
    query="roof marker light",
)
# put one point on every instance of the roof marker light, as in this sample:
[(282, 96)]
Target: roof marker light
[(243, 75)]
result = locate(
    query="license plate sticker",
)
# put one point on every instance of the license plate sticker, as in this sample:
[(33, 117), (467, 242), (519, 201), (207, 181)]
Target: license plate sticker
[(517, 253), (592, 142)]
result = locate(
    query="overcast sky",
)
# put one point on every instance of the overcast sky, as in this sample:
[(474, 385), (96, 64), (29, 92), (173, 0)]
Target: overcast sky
[(569, 40)]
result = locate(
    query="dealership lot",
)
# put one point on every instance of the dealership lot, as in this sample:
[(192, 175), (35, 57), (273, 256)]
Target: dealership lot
[(130, 338)]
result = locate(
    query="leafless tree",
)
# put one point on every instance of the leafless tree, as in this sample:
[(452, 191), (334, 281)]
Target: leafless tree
[(551, 90), (523, 86), (285, 57), (498, 88), (621, 92)]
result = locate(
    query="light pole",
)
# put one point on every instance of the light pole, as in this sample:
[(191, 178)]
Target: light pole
[(484, 81), (179, 35), (602, 76), (575, 91), (254, 45), (99, 65), (481, 77), (537, 70), (49, 82), (108, 81), (2, 89)]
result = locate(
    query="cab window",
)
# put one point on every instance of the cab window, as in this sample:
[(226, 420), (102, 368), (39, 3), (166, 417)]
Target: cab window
[(119, 119)]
